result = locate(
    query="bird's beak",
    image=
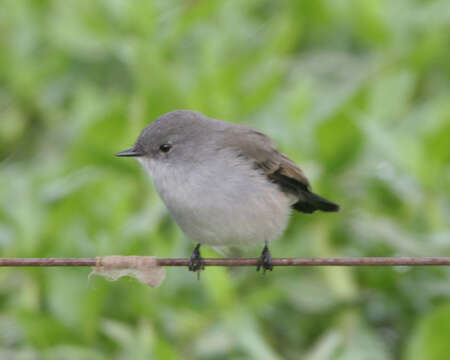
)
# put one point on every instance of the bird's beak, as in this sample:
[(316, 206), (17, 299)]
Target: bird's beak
[(131, 153)]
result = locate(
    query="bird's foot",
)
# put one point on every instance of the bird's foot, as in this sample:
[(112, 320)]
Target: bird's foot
[(265, 261), (196, 262)]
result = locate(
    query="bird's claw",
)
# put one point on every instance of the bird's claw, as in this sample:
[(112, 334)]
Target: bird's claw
[(196, 262), (265, 261)]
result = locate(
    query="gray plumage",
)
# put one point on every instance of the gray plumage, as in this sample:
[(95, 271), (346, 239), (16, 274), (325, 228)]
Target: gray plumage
[(224, 184)]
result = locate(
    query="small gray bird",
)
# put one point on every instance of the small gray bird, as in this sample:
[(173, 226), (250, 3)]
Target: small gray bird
[(224, 184)]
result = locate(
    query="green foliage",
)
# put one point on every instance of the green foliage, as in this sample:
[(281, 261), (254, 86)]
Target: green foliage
[(355, 91), (430, 338)]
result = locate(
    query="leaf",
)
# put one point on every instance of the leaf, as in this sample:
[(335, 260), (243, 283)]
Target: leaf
[(430, 336)]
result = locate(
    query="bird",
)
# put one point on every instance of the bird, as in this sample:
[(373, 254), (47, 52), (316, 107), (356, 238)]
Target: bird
[(224, 184)]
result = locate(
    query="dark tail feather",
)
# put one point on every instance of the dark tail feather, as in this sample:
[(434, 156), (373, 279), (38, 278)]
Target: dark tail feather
[(311, 202)]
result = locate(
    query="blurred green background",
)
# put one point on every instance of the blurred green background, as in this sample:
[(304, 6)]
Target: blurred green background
[(356, 92)]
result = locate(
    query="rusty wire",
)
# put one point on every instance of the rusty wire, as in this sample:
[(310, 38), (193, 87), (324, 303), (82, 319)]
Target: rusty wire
[(361, 261)]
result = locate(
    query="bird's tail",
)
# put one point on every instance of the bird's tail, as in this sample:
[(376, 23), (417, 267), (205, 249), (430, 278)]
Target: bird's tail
[(310, 202)]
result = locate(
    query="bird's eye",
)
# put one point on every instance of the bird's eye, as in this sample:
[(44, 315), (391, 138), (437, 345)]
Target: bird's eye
[(165, 147)]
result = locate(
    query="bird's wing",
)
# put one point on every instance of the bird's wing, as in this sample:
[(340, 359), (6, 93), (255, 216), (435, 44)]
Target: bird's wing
[(259, 148), (281, 170)]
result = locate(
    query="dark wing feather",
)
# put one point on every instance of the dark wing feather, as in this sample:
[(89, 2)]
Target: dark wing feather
[(277, 167)]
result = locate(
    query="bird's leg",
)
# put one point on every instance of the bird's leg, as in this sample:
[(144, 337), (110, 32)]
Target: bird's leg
[(265, 260), (196, 262)]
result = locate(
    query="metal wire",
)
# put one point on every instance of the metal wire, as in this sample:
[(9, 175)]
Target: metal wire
[(362, 261)]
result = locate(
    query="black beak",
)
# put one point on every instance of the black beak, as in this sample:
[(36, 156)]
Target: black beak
[(130, 152)]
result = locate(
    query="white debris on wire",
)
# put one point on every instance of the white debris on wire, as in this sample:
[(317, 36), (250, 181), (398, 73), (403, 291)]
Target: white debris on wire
[(143, 268)]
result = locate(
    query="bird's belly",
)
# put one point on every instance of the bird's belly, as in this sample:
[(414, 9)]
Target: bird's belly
[(230, 226), (234, 212)]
